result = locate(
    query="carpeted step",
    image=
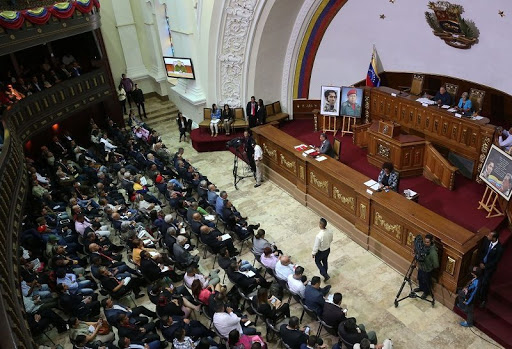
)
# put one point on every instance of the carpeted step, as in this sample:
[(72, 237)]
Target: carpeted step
[(202, 141), (501, 308)]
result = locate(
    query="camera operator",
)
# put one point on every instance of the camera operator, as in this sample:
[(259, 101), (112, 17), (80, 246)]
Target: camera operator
[(427, 261), (249, 149)]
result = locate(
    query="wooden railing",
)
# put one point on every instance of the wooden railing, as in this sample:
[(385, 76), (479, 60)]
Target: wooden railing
[(438, 169), (21, 121)]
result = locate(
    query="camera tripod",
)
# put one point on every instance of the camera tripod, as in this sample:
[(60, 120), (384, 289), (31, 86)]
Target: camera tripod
[(412, 294), (246, 169)]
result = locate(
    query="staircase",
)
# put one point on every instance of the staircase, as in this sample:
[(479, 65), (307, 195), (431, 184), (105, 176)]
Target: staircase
[(160, 113), (496, 318)]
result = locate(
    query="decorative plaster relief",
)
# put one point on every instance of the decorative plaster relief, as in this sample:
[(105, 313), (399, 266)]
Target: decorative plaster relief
[(238, 17)]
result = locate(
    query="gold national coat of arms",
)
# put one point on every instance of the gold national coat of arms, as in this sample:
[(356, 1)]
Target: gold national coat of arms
[(446, 23)]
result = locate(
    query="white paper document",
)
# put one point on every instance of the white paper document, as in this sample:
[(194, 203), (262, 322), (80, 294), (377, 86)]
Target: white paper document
[(164, 269), (127, 280), (309, 151), (452, 110), (369, 183), (152, 253), (424, 100), (445, 106), (457, 115), (478, 117), (375, 186), (249, 273), (225, 237), (209, 217), (321, 158)]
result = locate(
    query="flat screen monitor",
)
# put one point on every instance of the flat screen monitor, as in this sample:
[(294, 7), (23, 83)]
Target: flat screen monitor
[(178, 67)]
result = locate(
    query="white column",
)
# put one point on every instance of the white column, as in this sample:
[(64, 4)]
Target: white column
[(135, 68), (156, 70)]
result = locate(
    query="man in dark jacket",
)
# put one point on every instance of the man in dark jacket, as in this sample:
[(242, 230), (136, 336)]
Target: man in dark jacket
[(489, 256), (193, 328), (145, 333), (138, 98), (333, 314)]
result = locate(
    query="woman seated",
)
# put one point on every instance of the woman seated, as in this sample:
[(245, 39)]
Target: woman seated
[(388, 177), (259, 243), (269, 258), (139, 247), (271, 307), (464, 105), (215, 120), (175, 306), (203, 293), (229, 118), (236, 340)]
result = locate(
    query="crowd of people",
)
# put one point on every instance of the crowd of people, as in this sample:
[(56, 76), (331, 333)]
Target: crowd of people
[(36, 78), (129, 193)]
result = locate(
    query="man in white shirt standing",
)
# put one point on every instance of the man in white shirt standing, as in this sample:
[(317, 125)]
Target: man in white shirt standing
[(322, 248), (258, 159)]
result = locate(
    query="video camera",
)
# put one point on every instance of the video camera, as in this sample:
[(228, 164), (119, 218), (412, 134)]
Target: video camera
[(234, 143), (420, 250)]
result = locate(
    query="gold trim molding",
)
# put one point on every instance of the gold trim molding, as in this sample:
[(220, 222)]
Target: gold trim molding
[(289, 164), (362, 211), (390, 228), (271, 153), (344, 199), (322, 185), (301, 172), (450, 265)]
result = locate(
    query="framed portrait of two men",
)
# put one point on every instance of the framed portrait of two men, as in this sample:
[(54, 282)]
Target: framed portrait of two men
[(341, 101)]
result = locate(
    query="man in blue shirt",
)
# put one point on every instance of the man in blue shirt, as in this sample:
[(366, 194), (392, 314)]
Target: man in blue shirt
[(314, 295), (468, 295)]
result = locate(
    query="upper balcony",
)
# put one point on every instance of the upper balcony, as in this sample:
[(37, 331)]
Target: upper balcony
[(23, 28), (21, 121)]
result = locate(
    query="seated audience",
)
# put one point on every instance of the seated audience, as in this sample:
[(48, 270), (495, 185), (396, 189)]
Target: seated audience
[(333, 314)]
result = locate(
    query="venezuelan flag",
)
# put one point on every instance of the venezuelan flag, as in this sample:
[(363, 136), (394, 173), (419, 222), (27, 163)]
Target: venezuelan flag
[(372, 78)]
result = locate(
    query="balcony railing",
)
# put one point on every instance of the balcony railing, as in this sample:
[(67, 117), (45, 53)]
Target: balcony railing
[(21, 121)]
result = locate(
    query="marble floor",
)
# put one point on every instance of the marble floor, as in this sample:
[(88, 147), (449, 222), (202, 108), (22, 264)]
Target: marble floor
[(368, 285)]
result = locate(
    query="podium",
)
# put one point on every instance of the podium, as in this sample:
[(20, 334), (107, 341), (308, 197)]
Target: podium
[(405, 152)]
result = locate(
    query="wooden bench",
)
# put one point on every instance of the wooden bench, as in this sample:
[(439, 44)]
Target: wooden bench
[(274, 112)]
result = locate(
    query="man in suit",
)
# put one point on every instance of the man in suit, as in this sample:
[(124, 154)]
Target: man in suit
[(489, 256), (250, 111), (139, 333), (245, 282), (113, 310), (325, 146), (292, 335), (138, 98), (333, 314), (314, 295)]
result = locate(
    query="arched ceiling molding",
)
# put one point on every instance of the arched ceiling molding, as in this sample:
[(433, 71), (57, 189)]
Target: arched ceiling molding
[(314, 33), (306, 12), (235, 38)]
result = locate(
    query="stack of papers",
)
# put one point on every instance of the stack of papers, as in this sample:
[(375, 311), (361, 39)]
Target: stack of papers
[(249, 273), (452, 110), (225, 237), (424, 100), (209, 217), (301, 147), (477, 117), (372, 184), (147, 242), (410, 193), (309, 151), (445, 106), (321, 158)]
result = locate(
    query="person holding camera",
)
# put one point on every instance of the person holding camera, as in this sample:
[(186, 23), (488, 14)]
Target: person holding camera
[(426, 264)]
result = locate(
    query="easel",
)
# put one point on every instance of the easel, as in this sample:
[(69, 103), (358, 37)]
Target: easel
[(330, 124), (489, 203), (348, 122)]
